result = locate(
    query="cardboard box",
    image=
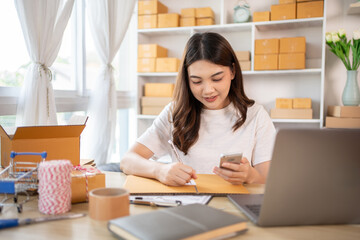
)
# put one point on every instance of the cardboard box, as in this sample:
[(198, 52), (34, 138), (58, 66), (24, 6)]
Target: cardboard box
[(344, 111), (337, 122), (310, 9), (60, 142), (291, 113), (245, 65), (167, 20), (286, 1), (242, 55), (187, 22), (167, 64), (291, 61), (188, 12), (204, 21), (205, 12), (152, 110), (146, 64), (267, 46), (302, 103), (293, 45), (261, 16), (158, 89), (283, 11), (155, 101), (151, 7), (284, 103), (147, 21), (151, 51), (95, 179), (266, 62)]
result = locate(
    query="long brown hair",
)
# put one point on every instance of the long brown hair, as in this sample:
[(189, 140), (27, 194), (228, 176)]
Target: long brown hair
[(187, 109)]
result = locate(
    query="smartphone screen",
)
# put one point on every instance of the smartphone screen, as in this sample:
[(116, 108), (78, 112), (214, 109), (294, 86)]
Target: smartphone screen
[(232, 158)]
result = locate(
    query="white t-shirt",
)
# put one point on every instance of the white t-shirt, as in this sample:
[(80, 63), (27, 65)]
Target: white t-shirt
[(255, 138)]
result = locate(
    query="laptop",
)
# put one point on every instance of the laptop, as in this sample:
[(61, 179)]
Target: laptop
[(314, 178)]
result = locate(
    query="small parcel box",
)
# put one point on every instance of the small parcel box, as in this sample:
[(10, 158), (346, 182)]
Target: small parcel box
[(60, 142)]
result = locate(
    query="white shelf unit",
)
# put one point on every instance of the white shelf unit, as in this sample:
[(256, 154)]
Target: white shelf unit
[(262, 86)]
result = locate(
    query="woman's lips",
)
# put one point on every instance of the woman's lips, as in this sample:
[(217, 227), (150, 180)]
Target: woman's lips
[(210, 99)]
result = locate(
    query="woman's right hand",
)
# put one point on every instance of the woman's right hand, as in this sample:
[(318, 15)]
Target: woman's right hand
[(175, 174)]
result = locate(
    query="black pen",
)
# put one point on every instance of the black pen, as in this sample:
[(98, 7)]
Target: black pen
[(140, 201)]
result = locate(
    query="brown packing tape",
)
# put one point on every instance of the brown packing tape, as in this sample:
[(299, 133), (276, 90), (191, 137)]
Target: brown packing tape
[(108, 203)]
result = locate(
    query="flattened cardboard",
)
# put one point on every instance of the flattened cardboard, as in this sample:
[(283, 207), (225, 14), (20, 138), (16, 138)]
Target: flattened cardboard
[(344, 111)]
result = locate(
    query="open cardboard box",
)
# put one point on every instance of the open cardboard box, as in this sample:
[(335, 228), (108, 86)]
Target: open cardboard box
[(60, 142)]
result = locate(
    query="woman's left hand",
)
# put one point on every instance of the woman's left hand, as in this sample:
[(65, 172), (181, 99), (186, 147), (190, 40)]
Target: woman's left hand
[(236, 173)]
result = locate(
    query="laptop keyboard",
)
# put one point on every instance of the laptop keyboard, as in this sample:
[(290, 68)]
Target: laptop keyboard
[(254, 208)]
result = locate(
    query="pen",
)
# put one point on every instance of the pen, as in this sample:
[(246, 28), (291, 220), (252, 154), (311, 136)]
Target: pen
[(156, 204), (179, 160)]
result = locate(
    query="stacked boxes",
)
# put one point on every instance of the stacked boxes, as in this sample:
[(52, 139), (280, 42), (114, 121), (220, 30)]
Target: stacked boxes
[(167, 20), (283, 11), (343, 117), (266, 54), (261, 16), (309, 9), (292, 108), (204, 16), (244, 60), (148, 13), (156, 97), (187, 17)]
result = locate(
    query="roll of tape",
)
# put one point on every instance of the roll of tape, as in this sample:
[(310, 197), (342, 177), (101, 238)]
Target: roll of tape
[(108, 203)]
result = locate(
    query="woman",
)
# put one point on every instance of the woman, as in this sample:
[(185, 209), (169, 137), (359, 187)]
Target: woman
[(210, 115)]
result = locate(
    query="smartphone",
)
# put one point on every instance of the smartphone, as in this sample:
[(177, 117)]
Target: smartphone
[(232, 158)]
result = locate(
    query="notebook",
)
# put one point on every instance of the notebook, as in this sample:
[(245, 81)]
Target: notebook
[(206, 184), (314, 178), (194, 221)]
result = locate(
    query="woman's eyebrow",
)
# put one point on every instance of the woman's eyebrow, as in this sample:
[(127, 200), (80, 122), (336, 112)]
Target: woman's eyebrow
[(215, 74)]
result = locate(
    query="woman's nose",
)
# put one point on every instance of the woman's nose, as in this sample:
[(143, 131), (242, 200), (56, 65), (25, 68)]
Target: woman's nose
[(208, 88)]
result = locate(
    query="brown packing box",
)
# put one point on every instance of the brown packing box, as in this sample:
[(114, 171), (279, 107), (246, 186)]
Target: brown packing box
[(284, 103), (151, 7), (187, 22), (286, 1), (188, 12), (155, 101), (307, 0), (167, 20), (310, 9), (291, 61), (95, 179), (245, 65), (146, 64), (242, 55), (167, 64), (151, 51), (291, 113), (337, 122), (344, 111), (293, 45), (283, 11), (204, 21), (266, 62), (147, 21), (205, 12), (261, 16), (151, 110), (267, 46), (60, 142), (301, 103), (158, 89)]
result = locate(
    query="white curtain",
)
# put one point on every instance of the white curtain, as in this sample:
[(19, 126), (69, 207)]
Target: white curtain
[(108, 20), (43, 23)]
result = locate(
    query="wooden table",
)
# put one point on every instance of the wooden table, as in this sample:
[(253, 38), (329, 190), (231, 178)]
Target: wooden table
[(86, 228)]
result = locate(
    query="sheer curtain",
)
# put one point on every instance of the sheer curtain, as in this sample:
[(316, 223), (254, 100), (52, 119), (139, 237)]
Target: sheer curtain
[(43, 23), (108, 20)]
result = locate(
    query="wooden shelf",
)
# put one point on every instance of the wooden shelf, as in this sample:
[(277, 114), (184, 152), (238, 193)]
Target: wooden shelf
[(354, 8)]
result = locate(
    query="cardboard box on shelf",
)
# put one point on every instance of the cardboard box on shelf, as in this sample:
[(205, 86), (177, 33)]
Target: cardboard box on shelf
[(286, 1), (147, 21), (340, 122), (151, 7), (167, 64), (344, 111), (293, 45), (242, 55), (60, 142), (301, 103), (151, 110), (188, 12), (155, 101), (146, 64), (310, 9), (245, 65), (187, 21), (151, 51), (158, 89), (205, 12), (291, 61), (267, 46), (266, 62), (291, 113), (261, 16), (167, 20), (204, 21), (283, 11), (284, 103)]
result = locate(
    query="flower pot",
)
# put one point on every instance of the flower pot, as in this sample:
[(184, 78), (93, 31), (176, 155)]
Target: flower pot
[(351, 93)]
